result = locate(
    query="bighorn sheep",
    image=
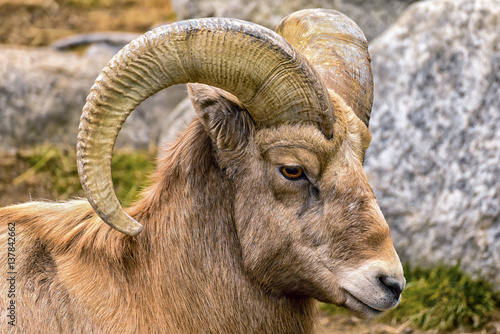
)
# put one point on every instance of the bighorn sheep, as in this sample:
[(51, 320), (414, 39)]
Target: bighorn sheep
[(259, 208)]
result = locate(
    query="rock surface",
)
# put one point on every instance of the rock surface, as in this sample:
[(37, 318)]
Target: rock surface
[(42, 93), (372, 16), (175, 123), (434, 162)]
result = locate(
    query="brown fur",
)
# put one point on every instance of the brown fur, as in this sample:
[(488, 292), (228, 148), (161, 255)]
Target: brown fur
[(228, 246)]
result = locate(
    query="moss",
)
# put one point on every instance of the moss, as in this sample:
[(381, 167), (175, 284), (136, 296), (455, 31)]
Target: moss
[(442, 298), (130, 172), (445, 298)]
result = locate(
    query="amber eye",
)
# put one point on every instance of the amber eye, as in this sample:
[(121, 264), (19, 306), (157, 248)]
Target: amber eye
[(292, 172)]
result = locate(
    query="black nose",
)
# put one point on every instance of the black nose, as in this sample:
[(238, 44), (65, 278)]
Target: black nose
[(394, 284)]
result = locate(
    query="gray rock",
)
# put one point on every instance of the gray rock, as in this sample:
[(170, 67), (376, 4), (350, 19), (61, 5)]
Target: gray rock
[(42, 93), (100, 44), (372, 16), (114, 38), (175, 123), (434, 162)]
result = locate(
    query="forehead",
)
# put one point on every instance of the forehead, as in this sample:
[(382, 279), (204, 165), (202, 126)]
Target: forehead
[(306, 145), (298, 141)]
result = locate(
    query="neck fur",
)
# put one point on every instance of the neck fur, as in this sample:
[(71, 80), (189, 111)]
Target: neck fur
[(190, 246)]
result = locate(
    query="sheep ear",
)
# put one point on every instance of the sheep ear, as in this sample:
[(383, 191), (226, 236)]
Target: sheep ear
[(224, 117)]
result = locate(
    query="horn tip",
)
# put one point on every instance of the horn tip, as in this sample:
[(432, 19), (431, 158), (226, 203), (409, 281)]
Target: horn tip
[(131, 228)]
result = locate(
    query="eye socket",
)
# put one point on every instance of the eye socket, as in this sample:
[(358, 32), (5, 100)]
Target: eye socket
[(292, 172)]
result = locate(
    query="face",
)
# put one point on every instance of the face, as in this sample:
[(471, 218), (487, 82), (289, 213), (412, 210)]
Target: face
[(308, 221), (306, 217)]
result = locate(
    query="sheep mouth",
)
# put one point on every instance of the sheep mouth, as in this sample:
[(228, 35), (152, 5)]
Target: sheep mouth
[(360, 308)]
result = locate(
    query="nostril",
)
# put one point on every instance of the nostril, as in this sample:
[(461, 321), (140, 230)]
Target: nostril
[(393, 284)]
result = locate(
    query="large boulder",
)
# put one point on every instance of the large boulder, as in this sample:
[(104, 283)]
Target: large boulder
[(175, 123), (42, 93), (434, 162), (372, 16)]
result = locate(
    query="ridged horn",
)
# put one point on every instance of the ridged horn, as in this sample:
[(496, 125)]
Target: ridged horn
[(338, 51), (271, 78)]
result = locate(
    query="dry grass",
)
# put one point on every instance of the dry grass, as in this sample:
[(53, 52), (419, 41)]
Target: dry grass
[(41, 22), (50, 173)]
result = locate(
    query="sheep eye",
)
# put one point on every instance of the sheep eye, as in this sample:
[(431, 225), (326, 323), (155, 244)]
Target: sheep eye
[(292, 172)]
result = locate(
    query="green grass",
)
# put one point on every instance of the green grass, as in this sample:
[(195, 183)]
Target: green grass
[(442, 298), (130, 172)]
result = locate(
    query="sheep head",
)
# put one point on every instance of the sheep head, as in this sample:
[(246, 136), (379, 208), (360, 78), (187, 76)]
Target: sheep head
[(289, 127)]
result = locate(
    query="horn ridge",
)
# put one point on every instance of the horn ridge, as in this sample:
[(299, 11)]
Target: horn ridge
[(234, 55), (338, 50)]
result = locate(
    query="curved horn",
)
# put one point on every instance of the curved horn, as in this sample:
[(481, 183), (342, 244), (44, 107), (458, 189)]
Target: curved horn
[(338, 50), (273, 81)]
